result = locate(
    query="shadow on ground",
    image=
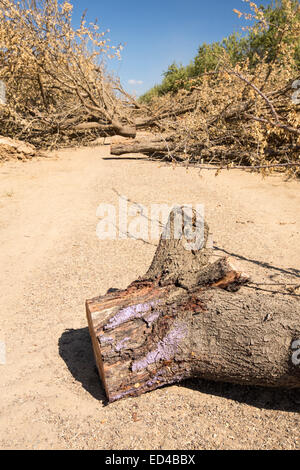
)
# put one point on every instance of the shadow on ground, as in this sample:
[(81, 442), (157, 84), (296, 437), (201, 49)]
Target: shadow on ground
[(121, 158), (76, 350), (258, 397)]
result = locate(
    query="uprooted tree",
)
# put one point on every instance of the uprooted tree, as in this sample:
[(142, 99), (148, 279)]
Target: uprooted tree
[(187, 318)]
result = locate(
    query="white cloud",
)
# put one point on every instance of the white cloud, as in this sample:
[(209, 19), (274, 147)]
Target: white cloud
[(135, 82)]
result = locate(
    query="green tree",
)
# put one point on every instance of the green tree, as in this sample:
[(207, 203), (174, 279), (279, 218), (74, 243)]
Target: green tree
[(265, 44), (259, 44)]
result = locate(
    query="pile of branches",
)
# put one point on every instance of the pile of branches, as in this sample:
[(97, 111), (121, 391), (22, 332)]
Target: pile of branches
[(57, 88), (235, 116), (59, 93), (236, 120)]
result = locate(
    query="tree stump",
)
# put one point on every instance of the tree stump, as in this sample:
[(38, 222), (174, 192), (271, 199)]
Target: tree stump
[(190, 318)]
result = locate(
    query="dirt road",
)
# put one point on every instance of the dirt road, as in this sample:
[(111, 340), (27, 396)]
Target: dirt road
[(51, 261)]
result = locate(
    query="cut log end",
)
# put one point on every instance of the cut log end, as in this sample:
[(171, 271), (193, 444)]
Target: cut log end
[(174, 324), (149, 336), (120, 324)]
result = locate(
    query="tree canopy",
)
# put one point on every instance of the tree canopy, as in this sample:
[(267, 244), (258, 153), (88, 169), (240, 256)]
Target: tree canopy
[(257, 43)]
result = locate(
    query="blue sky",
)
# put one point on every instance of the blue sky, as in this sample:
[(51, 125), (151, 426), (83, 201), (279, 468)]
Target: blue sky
[(155, 33)]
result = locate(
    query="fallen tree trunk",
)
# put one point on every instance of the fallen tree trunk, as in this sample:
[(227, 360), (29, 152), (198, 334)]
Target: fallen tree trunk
[(167, 147), (147, 146), (188, 318), (124, 131)]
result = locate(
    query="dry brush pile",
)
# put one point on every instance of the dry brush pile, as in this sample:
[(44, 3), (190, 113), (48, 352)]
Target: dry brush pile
[(236, 116), (237, 119), (56, 84), (59, 93)]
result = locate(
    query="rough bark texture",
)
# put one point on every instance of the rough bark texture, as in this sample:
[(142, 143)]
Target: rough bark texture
[(173, 261), (119, 129), (179, 322), (147, 146)]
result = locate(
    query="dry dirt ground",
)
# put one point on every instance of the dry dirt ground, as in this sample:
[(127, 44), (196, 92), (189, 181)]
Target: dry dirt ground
[(51, 261)]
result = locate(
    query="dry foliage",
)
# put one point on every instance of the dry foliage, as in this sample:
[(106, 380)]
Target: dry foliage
[(57, 86), (242, 116), (59, 93)]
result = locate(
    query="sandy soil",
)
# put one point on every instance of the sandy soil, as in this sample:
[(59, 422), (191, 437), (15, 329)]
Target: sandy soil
[(51, 261)]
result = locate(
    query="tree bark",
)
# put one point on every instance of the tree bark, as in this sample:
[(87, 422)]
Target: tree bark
[(147, 146), (189, 318), (119, 129)]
